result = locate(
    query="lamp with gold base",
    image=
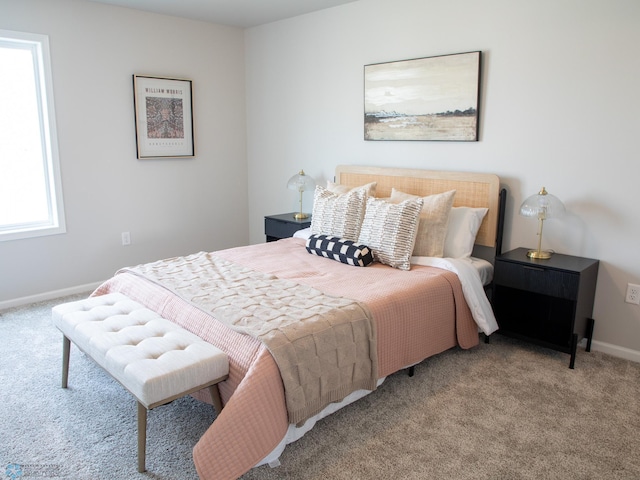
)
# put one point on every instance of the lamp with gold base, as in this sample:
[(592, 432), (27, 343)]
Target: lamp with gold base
[(301, 182), (543, 205)]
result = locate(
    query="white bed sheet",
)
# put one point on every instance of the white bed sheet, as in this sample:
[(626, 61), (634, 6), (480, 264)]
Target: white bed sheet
[(484, 268), (472, 287)]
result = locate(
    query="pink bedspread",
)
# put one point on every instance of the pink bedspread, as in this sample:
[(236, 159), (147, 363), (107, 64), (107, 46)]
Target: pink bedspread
[(418, 314)]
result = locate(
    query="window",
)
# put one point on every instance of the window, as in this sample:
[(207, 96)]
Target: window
[(30, 186)]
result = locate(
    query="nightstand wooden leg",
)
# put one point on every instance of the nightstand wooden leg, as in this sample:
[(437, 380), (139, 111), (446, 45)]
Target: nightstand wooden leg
[(589, 334), (574, 347)]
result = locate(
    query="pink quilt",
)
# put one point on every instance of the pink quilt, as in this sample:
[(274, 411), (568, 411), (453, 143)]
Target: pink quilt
[(418, 313)]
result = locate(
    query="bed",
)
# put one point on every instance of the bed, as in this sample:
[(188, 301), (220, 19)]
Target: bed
[(356, 325)]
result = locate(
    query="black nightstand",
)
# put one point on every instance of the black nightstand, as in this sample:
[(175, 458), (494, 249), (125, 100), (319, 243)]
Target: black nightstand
[(547, 302), (283, 226)]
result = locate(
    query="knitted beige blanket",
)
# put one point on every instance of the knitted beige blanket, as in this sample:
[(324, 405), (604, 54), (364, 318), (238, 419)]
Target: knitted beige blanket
[(325, 346)]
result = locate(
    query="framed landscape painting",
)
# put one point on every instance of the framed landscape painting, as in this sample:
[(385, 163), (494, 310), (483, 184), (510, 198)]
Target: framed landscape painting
[(164, 119), (433, 98)]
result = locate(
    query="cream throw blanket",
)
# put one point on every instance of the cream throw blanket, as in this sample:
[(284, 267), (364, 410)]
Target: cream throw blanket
[(325, 346)]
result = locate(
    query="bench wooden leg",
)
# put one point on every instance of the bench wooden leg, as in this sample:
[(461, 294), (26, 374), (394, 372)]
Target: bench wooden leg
[(215, 397), (142, 437), (66, 348)]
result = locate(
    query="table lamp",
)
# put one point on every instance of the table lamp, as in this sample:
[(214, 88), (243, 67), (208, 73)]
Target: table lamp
[(301, 183), (542, 205)]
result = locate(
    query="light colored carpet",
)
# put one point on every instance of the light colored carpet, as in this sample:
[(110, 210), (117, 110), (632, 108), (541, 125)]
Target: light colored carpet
[(507, 410)]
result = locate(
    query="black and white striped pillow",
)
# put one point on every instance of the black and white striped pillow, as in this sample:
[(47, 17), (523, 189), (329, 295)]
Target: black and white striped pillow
[(339, 249)]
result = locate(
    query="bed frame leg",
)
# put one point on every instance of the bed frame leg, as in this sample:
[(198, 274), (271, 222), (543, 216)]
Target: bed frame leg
[(412, 370)]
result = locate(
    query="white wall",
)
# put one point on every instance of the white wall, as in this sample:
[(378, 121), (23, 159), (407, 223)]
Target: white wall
[(170, 206), (560, 103)]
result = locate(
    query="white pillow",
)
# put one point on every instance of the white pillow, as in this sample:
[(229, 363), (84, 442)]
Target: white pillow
[(370, 188), (389, 230), (338, 215), (434, 219), (464, 223)]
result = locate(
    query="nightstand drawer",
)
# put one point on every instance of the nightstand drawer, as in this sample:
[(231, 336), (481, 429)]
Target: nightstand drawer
[(545, 281), (283, 226), (279, 229)]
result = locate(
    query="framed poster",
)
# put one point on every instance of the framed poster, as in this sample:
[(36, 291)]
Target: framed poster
[(164, 117), (433, 98)]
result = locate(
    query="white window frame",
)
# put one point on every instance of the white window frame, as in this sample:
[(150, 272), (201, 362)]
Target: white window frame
[(39, 45)]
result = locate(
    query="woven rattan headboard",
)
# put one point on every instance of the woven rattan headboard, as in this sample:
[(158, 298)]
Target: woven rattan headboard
[(472, 189)]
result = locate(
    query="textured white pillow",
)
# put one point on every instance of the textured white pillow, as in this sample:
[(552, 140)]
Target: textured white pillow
[(370, 188), (389, 230), (338, 215), (434, 219), (464, 223)]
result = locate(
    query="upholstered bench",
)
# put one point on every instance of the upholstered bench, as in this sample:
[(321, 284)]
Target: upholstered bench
[(153, 358)]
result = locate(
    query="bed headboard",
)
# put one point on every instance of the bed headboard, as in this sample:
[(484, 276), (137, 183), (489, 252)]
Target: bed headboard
[(472, 190)]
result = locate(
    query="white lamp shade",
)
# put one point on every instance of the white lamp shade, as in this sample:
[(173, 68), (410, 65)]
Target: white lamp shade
[(301, 182), (542, 205)]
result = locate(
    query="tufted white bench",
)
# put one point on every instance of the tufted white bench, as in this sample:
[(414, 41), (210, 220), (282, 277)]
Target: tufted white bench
[(153, 358)]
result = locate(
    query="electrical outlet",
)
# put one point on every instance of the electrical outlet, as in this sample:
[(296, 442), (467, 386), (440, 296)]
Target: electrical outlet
[(633, 294), (126, 238)]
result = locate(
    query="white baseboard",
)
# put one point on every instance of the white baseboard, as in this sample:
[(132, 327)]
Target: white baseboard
[(614, 350), (40, 297)]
